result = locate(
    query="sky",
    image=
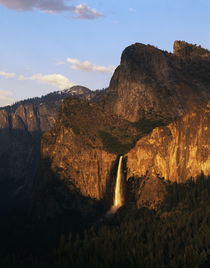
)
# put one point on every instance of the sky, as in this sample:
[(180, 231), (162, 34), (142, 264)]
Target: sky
[(49, 45)]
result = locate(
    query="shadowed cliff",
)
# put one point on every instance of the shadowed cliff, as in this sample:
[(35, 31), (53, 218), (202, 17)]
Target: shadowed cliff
[(21, 129)]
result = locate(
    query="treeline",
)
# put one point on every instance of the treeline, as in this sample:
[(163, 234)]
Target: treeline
[(55, 96), (51, 97), (177, 235)]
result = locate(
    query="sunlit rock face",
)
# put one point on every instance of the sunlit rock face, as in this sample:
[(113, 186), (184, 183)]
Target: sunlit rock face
[(176, 152), (84, 168), (151, 83), (149, 86), (190, 52), (21, 129), (81, 148), (69, 172)]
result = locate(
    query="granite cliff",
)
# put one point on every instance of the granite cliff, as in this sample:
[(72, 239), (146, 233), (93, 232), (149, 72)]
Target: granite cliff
[(21, 129), (150, 90), (151, 83), (175, 152), (81, 152), (75, 153), (190, 52)]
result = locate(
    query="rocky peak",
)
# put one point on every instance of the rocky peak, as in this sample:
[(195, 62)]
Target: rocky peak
[(146, 59), (190, 51), (151, 83), (77, 91)]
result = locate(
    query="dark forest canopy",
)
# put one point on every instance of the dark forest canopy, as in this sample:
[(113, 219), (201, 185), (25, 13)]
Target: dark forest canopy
[(176, 235)]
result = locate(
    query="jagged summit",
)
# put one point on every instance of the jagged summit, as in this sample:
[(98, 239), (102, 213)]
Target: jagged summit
[(145, 59)]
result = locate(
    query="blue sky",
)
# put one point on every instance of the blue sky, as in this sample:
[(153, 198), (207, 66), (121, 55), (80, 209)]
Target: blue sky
[(47, 45)]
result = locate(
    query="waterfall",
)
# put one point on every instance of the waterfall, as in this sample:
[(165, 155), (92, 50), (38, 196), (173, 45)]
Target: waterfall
[(118, 192), (118, 198)]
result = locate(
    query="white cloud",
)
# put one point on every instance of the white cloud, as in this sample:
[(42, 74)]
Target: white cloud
[(81, 11), (89, 67), (7, 75), (56, 80), (73, 61), (6, 97)]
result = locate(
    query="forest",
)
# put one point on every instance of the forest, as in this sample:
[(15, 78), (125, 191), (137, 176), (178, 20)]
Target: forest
[(177, 234)]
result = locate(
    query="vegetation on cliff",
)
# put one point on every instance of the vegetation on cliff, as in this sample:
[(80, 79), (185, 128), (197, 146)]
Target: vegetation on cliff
[(96, 127)]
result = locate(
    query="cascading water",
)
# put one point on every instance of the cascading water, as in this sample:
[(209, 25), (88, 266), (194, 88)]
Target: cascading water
[(118, 202), (118, 198)]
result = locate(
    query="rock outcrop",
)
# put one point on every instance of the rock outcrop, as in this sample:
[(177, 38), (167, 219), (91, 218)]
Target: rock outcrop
[(21, 129), (151, 83), (175, 152), (81, 151), (190, 52), (148, 191)]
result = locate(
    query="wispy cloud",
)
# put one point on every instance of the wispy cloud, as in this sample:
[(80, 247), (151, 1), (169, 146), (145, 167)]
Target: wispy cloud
[(81, 11), (89, 67), (7, 75), (6, 97), (57, 80), (60, 62)]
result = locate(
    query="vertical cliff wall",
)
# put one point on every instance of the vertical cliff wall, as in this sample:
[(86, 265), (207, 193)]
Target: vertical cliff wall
[(82, 166), (21, 129), (84, 143), (151, 83), (177, 151)]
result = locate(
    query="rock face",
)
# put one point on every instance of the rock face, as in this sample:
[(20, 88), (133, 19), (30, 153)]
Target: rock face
[(177, 151), (81, 151), (151, 83), (21, 129), (85, 168), (190, 52), (150, 88)]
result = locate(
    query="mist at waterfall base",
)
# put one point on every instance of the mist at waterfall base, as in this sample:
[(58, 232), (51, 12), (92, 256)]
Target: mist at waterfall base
[(118, 195)]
